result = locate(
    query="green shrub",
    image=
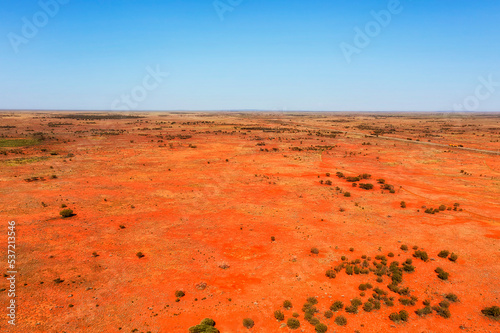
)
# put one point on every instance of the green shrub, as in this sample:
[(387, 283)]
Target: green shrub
[(321, 328), (443, 312), (206, 326), (208, 321), (180, 293), (312, 300), (279, 315), (443, 254), (314, 250), (452, 297), (336, 306), (356, 302), (313, 321), (366, 186), (248, 323), (328, 314), (139, 255), (444, 304), (66, 213), (421, 255), (347, 194), (404, 247), (424, 311), (295, 315), (492, 312), (402, 204), (442, 274), (351, 309), (442, 207), (390, 255), (330, 274), (293, 323), (341, 321), (287, 304), (453, 257), (368, 306), (399, 317)]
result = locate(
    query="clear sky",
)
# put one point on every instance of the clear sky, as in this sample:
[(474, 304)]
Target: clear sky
[(332, 55)]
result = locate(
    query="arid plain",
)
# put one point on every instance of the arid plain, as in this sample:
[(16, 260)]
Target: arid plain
[(242, 211)]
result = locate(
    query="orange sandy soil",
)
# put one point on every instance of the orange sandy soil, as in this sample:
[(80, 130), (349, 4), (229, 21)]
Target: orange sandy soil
[(189, 211)]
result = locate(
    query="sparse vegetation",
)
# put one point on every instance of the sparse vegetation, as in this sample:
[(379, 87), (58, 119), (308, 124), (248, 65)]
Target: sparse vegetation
[(442, 274), (206, 326)]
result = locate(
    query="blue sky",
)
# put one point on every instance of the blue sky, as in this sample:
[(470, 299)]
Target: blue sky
[(427, 55)]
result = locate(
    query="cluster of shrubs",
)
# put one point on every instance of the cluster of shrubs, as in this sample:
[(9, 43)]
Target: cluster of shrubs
[(310, 310), (421, 255), (442, 208), (366, 186), (402, 316), (388, 187), (444, 254)]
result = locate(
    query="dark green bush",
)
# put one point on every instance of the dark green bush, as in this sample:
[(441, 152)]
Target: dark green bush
[(424, 311), (347, 194), (295, 315), (402, 204), (179, 293), (287, 304), (248, 323), (314, 250), (321, 328), (279, 315), (453, 257), (443, 254), (206, 326), (492, 312), (312, 300), (356, 302), (351, 309), (444, 304), (421, 255), (442, 274), (328, 314), (443, 312), (336, 306), (341, 321), (404, 247), (139, 255), (330, 274), (66, 212), (368, 306), (293, 323), (452, 297), (314, 321)]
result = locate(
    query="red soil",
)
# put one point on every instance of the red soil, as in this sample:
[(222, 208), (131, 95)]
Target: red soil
[(190, 211)]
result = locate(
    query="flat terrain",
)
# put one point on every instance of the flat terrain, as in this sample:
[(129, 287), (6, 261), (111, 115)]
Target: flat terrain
[(230, 208)]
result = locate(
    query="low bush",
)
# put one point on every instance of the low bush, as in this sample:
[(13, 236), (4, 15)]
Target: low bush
[(279, 315), (442, 274), (341, 321), (66, 213), (337, 306), (452, 297), (404, 247), (314, 250), (421, 255), (492, 312), (330, 274), (206, 326), (293, 323), (312, 300), (443, 312), (321, 328), (443, 254), (180, 293), (328, 314), (287, 304), (248, 323), (399, 317), (424, 311), (453, 257)]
